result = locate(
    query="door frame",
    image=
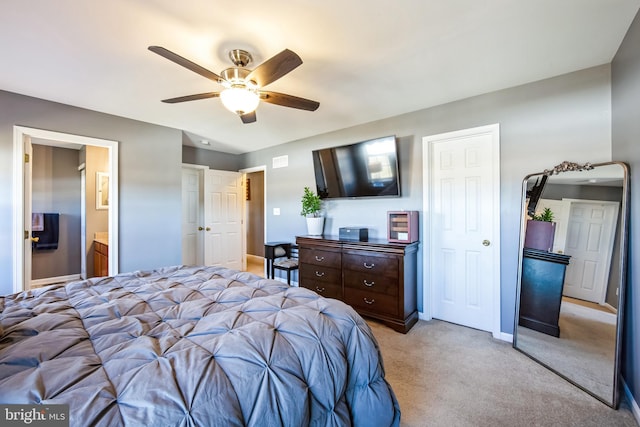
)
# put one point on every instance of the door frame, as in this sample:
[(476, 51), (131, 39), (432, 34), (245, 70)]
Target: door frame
[(20, 134), (201, 172), (427, 167)]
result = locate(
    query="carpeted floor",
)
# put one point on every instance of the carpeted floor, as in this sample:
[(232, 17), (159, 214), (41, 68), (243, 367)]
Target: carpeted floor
[(448, 375), (451, 376), (585, 350)]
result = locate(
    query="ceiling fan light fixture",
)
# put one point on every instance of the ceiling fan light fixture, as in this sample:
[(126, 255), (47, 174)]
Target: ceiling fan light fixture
[(239, 100)]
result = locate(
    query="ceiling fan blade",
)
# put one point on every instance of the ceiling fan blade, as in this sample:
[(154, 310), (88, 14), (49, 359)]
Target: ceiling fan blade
[(289, 101), (249, 117), (174, 57), (274, 68), (192, 97)]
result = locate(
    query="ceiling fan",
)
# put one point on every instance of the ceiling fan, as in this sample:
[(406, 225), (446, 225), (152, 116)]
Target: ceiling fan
[(243, 87)]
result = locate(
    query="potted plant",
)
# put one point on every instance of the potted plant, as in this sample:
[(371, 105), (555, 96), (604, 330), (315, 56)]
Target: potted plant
[(311, 210), (540, 231)]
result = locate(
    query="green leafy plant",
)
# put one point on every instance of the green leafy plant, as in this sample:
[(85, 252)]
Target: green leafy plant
[(311, 203), (546, 215)]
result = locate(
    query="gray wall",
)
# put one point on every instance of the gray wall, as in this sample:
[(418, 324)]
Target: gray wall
[(626, 141), (150, 159), (213, 159), (541, 124), (56, 189)]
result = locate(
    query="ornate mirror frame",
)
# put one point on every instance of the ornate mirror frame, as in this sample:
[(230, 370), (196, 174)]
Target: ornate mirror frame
[(545, 347)]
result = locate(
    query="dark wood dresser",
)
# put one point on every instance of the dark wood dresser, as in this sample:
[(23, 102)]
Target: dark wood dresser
[(377, 278), (541, 290)]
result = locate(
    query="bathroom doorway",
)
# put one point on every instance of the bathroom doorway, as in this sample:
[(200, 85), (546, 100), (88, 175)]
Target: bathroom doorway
[(24, 241)]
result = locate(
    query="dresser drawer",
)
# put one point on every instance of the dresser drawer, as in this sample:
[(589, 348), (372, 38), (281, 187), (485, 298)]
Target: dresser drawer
[(371, 282), (376, 265), (325, 289), (320, 273), (320, 257), (371, 301)]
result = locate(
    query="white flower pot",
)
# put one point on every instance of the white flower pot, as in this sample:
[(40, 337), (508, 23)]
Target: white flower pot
[(315, 226)]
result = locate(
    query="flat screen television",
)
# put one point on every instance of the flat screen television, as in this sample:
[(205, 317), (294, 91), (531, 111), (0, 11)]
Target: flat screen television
[(364, 169)]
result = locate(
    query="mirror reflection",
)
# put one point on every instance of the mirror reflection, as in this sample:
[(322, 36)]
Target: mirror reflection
[(572, 264)]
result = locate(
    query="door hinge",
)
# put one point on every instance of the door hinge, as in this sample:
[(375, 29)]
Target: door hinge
[(26, 157), (26, 234)]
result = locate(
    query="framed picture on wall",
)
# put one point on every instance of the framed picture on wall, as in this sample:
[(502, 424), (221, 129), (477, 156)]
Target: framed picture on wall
[(102, 190)]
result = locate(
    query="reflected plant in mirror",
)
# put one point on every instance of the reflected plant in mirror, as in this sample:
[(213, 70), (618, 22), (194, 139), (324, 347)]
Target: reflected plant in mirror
[(571, 280)]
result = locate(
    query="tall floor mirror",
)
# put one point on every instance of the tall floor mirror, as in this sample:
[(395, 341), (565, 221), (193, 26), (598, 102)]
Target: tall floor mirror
[(572, 273)]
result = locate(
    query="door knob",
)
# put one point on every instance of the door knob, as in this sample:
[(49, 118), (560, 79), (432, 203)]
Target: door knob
[(35, 239), (200, 228), (207, 229), (485, 242)]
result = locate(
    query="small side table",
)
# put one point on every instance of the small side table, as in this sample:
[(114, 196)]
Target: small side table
[(269, 254)]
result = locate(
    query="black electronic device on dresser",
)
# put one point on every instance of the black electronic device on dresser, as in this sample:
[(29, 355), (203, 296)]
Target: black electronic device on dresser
[(377, 278), (353, 233)]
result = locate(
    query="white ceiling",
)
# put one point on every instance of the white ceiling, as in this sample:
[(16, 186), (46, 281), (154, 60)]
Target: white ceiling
[(363, 60)]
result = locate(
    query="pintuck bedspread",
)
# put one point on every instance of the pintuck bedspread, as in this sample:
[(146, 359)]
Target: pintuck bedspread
[(192, 346)]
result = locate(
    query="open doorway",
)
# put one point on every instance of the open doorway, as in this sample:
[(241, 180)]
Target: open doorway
[(49, 145), (255, 230)]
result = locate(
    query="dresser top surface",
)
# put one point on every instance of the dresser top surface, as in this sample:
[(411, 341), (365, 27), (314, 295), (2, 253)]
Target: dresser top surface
[(356, 243)]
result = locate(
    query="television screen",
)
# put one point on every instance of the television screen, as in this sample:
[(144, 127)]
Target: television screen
[(364, 169)]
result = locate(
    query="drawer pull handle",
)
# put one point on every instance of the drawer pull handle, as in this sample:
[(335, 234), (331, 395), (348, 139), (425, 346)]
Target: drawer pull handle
[(319, 258), (369, 302), (367, 284), (319, 290), (368, 265), (319, 273)]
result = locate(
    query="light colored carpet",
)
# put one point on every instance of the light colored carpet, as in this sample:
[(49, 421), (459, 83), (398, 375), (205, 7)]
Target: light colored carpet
[(585, 350), (448, 375)]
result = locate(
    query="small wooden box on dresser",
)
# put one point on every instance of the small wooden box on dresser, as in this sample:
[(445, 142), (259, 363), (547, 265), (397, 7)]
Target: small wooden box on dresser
[(377, 278)]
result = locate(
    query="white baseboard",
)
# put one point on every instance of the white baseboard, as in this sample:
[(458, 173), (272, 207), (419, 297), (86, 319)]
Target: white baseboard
[(50, 280), (255, 258), (610, 308), (503, 336), (635, 409)]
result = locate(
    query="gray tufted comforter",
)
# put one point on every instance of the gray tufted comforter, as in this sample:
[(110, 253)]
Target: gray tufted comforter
[(192, 346)]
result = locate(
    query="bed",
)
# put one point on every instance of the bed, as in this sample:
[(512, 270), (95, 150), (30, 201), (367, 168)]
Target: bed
[(192, 346)]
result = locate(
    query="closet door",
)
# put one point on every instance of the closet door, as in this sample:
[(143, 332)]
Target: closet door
[(192, 216)]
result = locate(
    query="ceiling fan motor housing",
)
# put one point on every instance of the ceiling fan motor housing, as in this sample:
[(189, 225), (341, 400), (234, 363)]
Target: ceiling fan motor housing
[(236, 77)]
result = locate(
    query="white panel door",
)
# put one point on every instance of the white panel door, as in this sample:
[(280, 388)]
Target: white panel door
[(223, 201), (590, 236), (462, 232), (192, 218)]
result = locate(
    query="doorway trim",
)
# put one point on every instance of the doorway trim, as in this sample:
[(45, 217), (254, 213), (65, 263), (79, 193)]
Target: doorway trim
[(20, 133), (427, 163)]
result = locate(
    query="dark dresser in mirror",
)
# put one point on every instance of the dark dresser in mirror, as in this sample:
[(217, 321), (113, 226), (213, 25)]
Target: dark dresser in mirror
[(570, 294)]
